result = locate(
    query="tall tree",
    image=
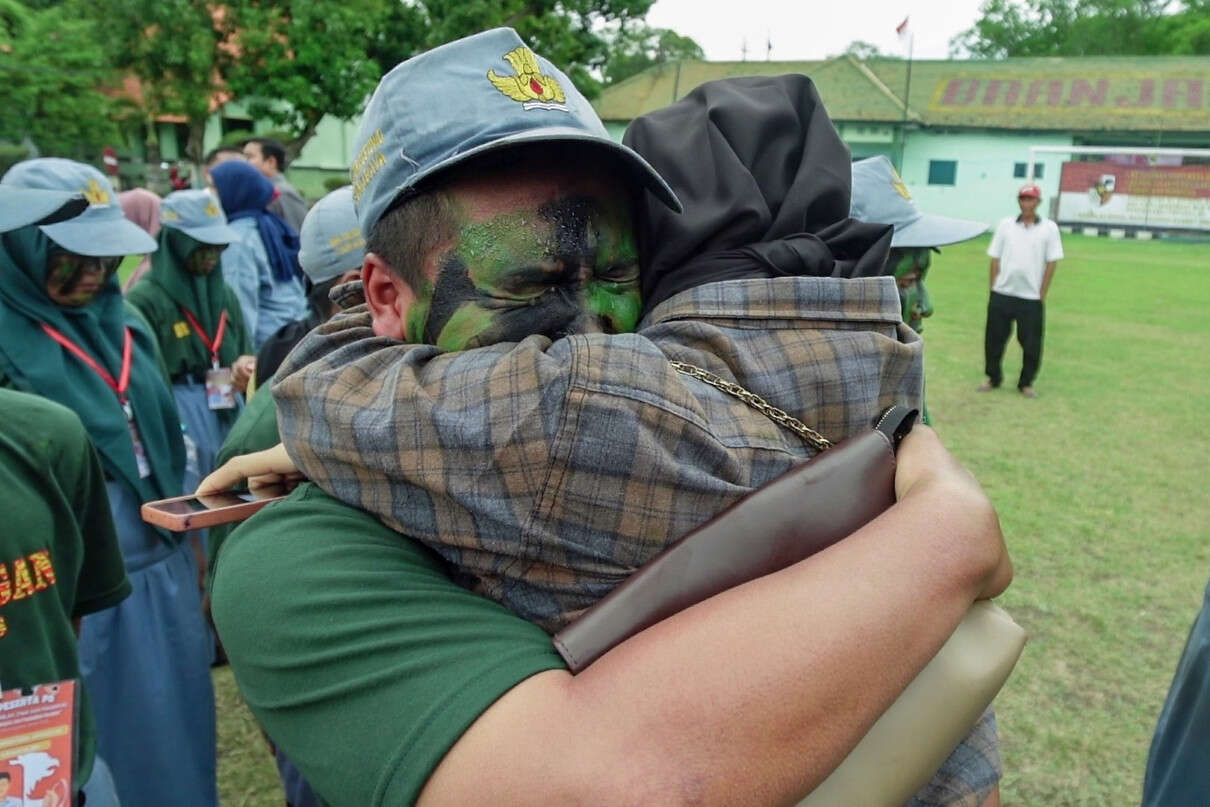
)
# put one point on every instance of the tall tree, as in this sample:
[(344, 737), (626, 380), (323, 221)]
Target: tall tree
[(577, 35), (1086, 28), (636, 48), (175, 50), (300, 60), (51, 80)]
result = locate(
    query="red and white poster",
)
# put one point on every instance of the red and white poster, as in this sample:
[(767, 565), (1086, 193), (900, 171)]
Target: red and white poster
[(1155, 196), (37, 745)]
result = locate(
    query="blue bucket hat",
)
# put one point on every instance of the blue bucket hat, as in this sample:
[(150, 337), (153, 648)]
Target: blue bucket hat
[(332, 243), (879, 196), (198, 215), (21, 207), (101, 230), (467, 98)]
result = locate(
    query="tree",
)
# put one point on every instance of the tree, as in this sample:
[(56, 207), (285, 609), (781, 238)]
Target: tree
[(577, 35), (175, 49), (51, 80), (860, 49), (290, 62), (1086, 28), (635, 49), (299, 61)]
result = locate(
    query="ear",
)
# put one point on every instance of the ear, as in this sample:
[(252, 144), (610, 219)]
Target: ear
[(388, 295)]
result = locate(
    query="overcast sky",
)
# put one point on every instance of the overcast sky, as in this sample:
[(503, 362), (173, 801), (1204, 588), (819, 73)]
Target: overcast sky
[(813, 29)]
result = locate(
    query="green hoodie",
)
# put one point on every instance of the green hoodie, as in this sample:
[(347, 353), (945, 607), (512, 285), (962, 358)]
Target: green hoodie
[(32, 361), (168, 290)]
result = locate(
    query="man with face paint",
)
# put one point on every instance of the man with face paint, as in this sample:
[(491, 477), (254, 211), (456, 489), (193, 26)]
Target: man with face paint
[(197, 320), (533, 276), (879, 195), (488, 398)]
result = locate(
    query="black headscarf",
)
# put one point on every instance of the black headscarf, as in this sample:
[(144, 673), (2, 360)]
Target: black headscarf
[(764, 179)]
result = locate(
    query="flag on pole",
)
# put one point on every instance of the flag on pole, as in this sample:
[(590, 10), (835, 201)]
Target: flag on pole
[(902, 28)]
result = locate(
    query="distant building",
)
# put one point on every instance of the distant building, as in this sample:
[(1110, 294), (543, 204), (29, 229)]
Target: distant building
[(963, 141), (962, 144)]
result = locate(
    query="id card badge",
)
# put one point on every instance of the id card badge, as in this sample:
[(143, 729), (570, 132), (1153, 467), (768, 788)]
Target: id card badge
[(140, 453), (220, 393)]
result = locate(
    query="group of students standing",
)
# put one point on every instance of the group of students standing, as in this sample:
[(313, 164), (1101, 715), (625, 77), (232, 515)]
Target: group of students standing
[(154, 380)]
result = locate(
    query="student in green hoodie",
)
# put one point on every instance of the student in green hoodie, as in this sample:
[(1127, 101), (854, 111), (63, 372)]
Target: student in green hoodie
[(197, 321), (66, 334), (59, 540)]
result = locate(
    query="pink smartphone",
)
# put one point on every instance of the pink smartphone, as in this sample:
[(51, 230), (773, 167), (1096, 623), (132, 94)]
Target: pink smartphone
[(183, 513)]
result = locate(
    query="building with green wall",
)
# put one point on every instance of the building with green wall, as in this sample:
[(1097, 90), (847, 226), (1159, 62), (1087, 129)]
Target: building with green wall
[(962, 139)]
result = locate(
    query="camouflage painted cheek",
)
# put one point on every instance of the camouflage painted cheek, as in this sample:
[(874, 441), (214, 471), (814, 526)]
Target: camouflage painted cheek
[(619, 304), (463, 326), (418, 315)]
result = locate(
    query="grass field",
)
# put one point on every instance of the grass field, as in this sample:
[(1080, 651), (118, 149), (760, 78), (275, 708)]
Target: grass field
[(1100, 485)]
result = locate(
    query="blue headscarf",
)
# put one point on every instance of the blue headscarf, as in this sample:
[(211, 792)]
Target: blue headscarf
[(245, 192)]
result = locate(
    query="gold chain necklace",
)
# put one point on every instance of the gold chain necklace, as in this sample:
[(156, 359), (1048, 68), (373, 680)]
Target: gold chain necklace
[(778, 416)]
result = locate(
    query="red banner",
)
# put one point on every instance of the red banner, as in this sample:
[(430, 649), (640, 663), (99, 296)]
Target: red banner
[(1156, 196)]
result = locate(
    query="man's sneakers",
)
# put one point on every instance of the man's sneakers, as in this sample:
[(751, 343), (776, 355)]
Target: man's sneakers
[(1026, 392)]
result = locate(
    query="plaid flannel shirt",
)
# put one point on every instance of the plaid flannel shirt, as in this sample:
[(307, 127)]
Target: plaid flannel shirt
[(546, 472)]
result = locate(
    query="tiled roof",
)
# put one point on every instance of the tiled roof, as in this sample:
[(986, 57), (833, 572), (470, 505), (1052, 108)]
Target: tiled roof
[(1065, 94)]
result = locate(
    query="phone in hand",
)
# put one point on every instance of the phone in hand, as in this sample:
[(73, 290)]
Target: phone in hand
[(192, 512)]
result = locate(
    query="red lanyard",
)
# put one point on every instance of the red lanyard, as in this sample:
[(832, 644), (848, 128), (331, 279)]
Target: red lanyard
[(119, 387), (214, 346)]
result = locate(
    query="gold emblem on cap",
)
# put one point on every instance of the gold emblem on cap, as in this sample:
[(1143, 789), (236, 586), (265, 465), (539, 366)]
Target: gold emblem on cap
[(898, 185), (529, 86), (168, 214), (211, 209), (95, 194)]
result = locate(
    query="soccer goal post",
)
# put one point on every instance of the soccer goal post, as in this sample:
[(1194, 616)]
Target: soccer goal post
[(1131, 190)]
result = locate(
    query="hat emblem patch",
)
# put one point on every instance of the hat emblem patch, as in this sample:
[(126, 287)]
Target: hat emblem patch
[(211, 209), (530, 87), (95, 194), (898, 185)]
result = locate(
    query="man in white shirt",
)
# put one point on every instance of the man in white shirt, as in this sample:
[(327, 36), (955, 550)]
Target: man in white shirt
[(1023, 254)]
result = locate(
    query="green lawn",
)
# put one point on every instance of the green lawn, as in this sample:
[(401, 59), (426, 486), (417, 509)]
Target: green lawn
[(1100, 487)]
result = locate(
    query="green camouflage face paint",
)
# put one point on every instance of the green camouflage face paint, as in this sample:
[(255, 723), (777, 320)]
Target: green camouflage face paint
[(568, 266), (74, 280), (203, 259), (911, 266)]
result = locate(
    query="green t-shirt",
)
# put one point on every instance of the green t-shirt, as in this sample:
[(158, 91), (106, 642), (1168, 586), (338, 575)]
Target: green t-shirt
[(59, 555), (355, 650), (254, 430)]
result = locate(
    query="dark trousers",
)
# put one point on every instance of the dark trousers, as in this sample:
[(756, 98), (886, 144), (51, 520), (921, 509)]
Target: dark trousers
[(1030, 316)]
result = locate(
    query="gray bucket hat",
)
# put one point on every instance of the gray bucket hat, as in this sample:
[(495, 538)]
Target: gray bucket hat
[(466, 98), (101, 230), (21, 207), (331, 239), (880, 196), (197, 214)]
